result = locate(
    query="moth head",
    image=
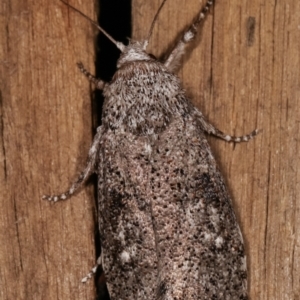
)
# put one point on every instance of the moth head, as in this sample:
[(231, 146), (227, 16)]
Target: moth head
[(136, 51)]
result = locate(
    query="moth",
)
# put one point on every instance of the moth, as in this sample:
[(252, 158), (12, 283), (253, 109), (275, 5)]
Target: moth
[(167, 227)]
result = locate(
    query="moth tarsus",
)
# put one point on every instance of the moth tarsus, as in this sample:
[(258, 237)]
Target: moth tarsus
[(93, 270), (167, 227)]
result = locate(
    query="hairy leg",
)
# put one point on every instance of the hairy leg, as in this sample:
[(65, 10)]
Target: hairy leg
[(210, 129), (173, 60), (98, 82), (89, 169)]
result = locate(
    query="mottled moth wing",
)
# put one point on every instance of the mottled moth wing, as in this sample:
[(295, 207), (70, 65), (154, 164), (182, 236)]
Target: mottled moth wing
[(168, 230), (128, 245), (199, 243)]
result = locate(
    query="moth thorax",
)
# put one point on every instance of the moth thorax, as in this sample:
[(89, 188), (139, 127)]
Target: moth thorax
[(133, 52)]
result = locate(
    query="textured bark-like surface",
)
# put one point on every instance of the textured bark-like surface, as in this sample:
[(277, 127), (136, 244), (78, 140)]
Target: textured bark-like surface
[(45, 133), (243, 73)]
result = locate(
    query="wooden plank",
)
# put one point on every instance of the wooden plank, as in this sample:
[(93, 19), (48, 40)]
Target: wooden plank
[(46, 131)]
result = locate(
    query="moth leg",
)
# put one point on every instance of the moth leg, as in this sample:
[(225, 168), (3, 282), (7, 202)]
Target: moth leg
[(89, 169), (231, 138), (210, 129), (173, 60), (93, 270), (98, 82)]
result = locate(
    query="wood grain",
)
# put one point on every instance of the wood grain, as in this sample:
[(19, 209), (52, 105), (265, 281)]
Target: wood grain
[(243, 73), (46, 131)]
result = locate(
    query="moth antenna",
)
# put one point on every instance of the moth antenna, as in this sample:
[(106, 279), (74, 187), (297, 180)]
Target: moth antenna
[(152, 25), (119, 45)]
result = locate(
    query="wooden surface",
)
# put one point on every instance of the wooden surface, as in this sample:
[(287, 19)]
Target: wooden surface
[(244, 73), (45, 134)]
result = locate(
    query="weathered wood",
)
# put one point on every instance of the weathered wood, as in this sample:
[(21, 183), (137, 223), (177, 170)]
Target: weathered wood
[(45, 134), (243, 73)]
